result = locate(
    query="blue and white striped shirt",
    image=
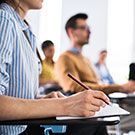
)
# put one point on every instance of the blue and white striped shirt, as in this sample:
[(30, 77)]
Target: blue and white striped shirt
[(19, 65)]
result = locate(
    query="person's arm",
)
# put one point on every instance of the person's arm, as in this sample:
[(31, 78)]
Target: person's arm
[(14, 108), (56, 94), (82, 104), (128, 87), (107, 89)]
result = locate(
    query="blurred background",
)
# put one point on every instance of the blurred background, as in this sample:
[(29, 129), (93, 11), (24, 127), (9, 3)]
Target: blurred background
[(112, 24)]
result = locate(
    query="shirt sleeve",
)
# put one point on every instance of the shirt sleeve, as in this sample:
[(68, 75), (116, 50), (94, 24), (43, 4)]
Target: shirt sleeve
[(6, 39)]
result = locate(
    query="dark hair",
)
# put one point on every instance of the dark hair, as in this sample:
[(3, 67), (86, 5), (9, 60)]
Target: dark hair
[(103, 51), (5, 1), (2, 1), (16, 5), (71, 23), (46, 44)]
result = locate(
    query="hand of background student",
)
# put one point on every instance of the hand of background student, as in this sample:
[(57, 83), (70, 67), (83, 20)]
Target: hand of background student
[(85, 103), (129, 87), (56, 94), (43, 82)]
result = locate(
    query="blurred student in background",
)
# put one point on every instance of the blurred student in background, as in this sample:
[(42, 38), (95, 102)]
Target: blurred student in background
[(47, 76), (102, 69), (74, 62)]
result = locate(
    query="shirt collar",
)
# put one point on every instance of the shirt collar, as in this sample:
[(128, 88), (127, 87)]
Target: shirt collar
[(74, 50), (10, 10)]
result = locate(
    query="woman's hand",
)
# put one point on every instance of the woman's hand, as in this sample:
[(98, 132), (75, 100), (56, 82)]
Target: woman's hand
[(85, 103)]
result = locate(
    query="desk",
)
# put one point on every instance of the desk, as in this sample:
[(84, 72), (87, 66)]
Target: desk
[(120, 96), (125, 101), (53, 121)]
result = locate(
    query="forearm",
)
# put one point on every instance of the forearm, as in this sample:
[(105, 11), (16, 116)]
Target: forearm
[(112, 88), (14, 108), (107, 89)]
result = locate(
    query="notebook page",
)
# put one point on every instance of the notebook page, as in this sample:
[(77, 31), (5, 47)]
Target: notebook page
[(107, 111)]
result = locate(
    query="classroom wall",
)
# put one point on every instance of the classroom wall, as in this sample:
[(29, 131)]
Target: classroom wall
[(97, 11), (33, 18), (133, 52)]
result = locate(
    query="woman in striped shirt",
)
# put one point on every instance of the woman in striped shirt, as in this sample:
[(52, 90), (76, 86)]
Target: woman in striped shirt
[(19, 72)]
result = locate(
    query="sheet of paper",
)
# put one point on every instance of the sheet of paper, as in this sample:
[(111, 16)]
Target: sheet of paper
[(107, 111), (121, 95)]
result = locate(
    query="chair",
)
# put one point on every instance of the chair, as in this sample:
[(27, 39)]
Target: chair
[(54, 129)]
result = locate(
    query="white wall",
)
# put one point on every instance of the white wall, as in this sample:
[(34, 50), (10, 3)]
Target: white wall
[(120, 38), (33, 18), (133, 52), (97, 12)]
